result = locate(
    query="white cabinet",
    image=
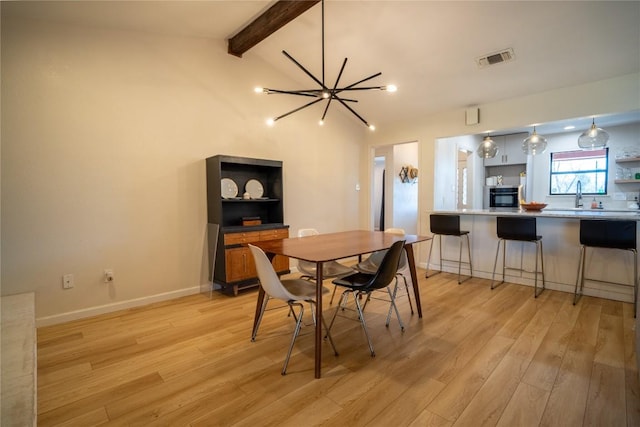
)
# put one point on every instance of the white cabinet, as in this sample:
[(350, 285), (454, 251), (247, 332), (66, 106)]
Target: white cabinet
[(509, 150)]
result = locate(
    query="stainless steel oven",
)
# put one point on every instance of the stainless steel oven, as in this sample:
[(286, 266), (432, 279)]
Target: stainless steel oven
[(503, 197)]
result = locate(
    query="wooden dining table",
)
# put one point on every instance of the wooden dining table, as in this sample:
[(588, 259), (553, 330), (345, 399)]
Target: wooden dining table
[(331, 247)]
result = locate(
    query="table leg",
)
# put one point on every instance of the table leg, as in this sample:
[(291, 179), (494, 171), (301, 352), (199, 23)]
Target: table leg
[(318, 357), (414, 277), (259, 302)]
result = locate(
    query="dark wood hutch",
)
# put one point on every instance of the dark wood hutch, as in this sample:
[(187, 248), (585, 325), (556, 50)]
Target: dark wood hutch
[(234, 266)]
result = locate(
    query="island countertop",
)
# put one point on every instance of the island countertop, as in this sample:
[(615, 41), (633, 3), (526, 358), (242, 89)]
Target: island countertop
[(560, 231), (551, 213)]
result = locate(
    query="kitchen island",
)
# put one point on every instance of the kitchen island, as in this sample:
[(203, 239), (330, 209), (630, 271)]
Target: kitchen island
[(560, 231)]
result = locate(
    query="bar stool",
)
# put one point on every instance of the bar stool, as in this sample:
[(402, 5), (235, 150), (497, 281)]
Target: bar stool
[(520, 229), (449, 225), (610, 234)]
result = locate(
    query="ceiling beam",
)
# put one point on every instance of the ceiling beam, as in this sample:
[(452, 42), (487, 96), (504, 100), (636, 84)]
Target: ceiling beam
[(274, 18)]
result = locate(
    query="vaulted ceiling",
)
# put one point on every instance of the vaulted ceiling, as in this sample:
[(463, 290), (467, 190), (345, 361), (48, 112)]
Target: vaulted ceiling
[(427, 48)]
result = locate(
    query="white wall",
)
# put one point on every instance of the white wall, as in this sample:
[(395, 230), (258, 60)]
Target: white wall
[(104, 138), (378, 173), (405, 195), (614, 95)]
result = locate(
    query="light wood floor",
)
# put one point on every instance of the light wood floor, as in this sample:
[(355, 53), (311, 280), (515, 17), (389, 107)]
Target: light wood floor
[(478, 357)]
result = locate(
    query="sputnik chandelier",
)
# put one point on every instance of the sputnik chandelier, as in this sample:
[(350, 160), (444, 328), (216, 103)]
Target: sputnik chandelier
[(323, 92)]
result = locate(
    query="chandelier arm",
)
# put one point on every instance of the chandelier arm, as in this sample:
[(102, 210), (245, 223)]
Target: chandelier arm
[(297, 109), (362, 81), (304, 69), (344, 63), (344, 99), (363, 88), (311, 92), (353, 111)]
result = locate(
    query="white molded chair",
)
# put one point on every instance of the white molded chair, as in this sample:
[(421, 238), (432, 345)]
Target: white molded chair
[(330, 270), (295, 292), (371, 265)]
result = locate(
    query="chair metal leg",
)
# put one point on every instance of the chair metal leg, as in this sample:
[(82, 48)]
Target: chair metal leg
[(333, 345), (495, 263), (535, 282), (544, 283), (579, 276), (635, 282), (430, 252), (332, 295), (324, 323), (440, 250), (393, 306), (469, 251), (459, 259), (295, 335), (341, 305), (364, 323)]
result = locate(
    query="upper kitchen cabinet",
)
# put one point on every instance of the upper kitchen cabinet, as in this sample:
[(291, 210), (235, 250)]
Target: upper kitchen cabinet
[(509, 150)]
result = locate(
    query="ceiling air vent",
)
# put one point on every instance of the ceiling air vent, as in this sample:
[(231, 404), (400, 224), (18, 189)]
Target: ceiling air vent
[(505, 55)]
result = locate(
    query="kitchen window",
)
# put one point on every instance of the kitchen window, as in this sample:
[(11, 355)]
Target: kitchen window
[(587, 166)]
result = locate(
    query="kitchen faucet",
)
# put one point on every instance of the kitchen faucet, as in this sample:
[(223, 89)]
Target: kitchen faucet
[(578, 194)]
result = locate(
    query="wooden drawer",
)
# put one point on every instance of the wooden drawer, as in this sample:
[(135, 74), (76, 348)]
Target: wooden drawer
[(277, 233), (243, 237)]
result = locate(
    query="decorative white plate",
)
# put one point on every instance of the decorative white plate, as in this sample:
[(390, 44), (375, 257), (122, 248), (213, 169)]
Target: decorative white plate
[(254, 188), (229, 188)]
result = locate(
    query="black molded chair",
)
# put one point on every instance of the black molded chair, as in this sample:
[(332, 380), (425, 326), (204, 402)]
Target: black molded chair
[(608, 234), (520, 229), (371, 265), (362, 284), (449, 225)]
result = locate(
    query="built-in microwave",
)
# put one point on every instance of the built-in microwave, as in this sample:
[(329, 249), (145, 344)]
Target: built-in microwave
[(503, 197)]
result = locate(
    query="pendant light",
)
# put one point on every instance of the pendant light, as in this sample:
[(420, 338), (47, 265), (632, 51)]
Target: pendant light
[(534, 144), (594, 138), (487, 148)]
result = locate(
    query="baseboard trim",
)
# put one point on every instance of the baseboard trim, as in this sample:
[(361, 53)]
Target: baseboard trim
[(116, 306)]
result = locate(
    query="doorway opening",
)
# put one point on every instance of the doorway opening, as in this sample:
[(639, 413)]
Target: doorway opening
[(394, 200)]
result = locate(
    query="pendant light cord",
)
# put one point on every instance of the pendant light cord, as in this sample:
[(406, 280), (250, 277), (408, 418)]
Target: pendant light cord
[(323, 85)]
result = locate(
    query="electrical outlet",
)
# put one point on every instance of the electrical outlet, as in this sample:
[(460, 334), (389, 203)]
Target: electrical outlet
[(108, 276), (67, 281)]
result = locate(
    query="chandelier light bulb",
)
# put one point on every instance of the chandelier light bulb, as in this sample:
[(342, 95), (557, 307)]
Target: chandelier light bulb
[(325, 94), (271, 122), (259, 90), (372, 128), (321, 122), (391, 88)]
